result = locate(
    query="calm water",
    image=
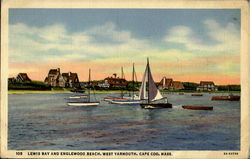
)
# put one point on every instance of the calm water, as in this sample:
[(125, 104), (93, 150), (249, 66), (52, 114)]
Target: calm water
[(44, 121)]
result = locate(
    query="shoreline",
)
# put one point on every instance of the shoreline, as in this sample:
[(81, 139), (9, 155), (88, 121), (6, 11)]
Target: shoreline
[(105, 91)]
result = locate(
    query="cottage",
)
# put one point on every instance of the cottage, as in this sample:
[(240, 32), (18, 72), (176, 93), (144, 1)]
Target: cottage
[(22, 77), (206, 86), (115, 81), (69, 80), (53, 77)]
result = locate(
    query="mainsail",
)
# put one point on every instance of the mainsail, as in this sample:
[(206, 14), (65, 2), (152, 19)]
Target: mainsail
[(143, 93), (153, 92)]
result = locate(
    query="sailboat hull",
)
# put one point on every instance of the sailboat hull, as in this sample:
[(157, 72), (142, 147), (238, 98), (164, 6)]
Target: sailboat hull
[(126, 102), (83, 103), (114, 99), (156, 105)]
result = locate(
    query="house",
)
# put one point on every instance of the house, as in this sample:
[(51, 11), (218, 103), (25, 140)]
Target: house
[(69, 80), (22, 77), (53, 77), (168, 83), (206, 86), (11, 80), (176, 85), (165, 83), (56, 79), (115, 82)]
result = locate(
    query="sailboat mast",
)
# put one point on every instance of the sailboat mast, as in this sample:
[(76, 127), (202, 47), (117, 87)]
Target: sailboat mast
[(133, 81), (148, 79), (122, 76), (89, 84)]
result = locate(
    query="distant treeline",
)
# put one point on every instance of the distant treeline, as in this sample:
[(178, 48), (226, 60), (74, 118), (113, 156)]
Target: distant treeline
[(229, 88), (38, 85), (33, 85), (193, 86), (190, 86)]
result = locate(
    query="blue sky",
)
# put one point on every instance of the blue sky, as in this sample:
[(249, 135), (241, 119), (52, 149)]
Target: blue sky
[(120, 35), (143, 23)]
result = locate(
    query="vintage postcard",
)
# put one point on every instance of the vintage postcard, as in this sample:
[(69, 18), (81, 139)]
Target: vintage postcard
[(116, 79)]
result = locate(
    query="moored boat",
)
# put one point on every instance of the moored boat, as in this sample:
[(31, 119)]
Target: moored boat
[(156, 105), (228, 97), (77, 91), (85, 103), (135, 97), (150, 92), (78, 96), (196, 94), (114, 99), (126, 102), (197, 107)]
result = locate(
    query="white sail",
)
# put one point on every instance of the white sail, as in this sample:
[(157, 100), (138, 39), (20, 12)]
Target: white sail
[(154, 93), (158, 96), (143, 93)]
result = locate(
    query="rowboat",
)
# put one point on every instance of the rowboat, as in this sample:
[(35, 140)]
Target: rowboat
[(114, 99), (228, 97), (156, 105), (197, 107), (77, 91), (196, 94)]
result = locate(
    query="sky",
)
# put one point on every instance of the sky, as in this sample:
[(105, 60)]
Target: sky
[(188, 45)]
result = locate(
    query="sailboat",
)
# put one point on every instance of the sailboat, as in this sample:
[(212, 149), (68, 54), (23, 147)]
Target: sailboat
[(150, 92), (129, 100), (117, 98), (133, 96), (88, 102)]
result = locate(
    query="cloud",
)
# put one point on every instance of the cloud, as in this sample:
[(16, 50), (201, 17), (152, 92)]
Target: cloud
[(56, 43), (106, 48), (216, 38)]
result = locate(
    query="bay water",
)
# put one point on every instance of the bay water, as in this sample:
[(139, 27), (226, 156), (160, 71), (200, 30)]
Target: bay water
[(45, 122)]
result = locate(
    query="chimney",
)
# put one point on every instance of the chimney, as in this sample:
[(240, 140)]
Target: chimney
[(69, 74), (58, 69)]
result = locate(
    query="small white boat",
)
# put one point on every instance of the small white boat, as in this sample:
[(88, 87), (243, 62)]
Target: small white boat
[(83, 103), (126, 102), (135, 97), (78, 96)]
